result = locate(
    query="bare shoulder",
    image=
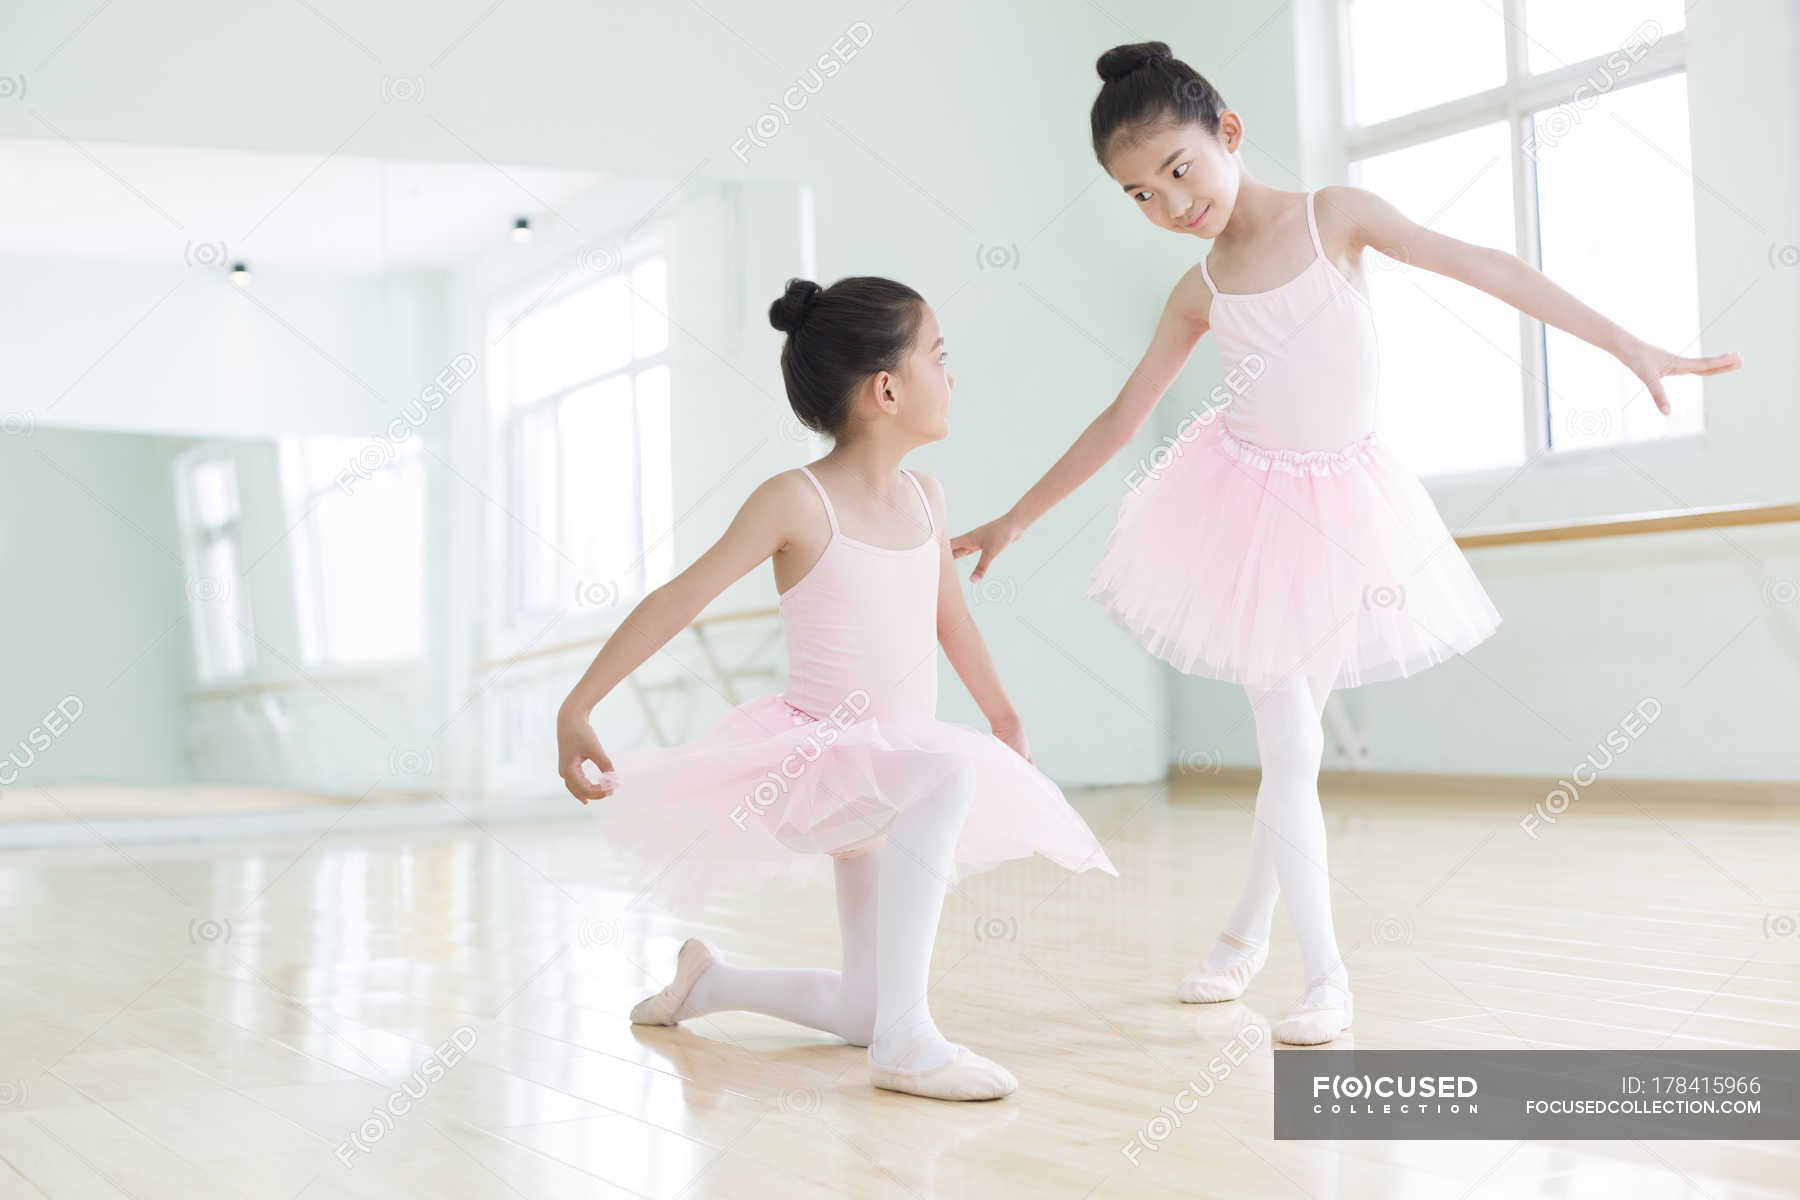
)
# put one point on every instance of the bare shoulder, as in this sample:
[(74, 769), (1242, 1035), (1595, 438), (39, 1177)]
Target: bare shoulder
[(1353, 217), (784, 504), (934, 495), (1191, 299), (786, 489)]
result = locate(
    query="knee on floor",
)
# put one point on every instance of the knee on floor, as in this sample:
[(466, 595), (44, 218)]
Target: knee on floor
[(856, 1019)]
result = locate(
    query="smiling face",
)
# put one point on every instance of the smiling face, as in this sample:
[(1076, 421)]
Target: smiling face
[(1181, 177), (917, 392)]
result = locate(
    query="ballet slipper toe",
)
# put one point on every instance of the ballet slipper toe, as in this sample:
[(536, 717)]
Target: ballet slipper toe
[(1203, 985), (1312, 1024), (664, 1008), (967, 1076)]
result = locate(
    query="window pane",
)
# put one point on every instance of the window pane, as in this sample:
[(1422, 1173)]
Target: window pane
[(598, 442), (372, 565), (1405, 55), (221, 618), (577, 337), (325, 459), (532, 529), (213, 487), (1617, 228), (1451, 384), (1559, 32), (657, 487), (292, 455), (599, 321), (649, 304), (218, 608)]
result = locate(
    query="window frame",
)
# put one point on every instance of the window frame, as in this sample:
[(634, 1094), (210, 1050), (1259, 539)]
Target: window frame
[(1514, 101)]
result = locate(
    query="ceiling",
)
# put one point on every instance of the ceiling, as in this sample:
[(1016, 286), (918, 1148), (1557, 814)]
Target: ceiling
[(338, 213)]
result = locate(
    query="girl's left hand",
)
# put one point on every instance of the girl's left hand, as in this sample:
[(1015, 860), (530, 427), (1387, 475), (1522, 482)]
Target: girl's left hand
[(1013, 734), (1650, 364)]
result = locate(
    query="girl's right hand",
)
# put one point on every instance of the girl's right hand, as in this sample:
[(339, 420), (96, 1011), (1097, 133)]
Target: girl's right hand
[(576, 745), (989, 539), (1651, 365)]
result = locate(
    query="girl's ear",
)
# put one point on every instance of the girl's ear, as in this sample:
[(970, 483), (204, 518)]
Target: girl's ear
[(1231, 130), (884, 392)]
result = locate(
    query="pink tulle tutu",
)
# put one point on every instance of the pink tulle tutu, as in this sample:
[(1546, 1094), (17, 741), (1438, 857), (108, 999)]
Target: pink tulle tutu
[(852, 742), (771, 787), (1244, 563)]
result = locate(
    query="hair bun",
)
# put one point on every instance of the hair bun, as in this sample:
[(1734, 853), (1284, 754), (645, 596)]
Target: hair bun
[(1121, 61), (787, 313)]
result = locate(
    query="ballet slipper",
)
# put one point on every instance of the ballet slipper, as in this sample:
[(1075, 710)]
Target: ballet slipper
[(967, 1076), (1311, 1024), (1203, 985), (665, 1007)]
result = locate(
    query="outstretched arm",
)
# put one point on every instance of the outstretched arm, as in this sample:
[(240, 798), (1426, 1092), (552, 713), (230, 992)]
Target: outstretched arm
[(1375, 222), (963, 644), (1180, 328), (756, 532)]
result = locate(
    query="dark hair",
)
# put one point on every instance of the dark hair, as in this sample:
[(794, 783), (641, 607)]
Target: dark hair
[(1145, 85), (838, 337)]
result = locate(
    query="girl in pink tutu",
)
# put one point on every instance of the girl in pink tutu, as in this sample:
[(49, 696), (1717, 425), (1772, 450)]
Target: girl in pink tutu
[(1279, 546), (850, 760)]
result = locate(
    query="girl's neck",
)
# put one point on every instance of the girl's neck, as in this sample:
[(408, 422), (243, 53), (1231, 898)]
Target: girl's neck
[(1258, 208), (869, 459)]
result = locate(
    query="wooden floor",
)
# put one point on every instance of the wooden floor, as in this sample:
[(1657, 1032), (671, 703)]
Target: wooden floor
[(229, 1020)]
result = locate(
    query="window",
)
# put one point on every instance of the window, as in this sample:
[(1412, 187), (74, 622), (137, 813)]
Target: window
[(206, 503), (358, 546), (1557, 131), (583, 389)]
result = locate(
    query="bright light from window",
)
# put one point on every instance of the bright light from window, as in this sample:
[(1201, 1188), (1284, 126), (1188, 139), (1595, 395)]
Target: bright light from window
[(657, 452), (1616, 203), (359, 552), (1451, 383), (588, 445), (218, 609), (1560, 32), (1410, 55), (649, 306), (1581, 166)]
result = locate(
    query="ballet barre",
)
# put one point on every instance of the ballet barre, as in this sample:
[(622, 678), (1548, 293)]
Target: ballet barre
[(1351, 745), (722, 676), (595, 641), (1721, 517)]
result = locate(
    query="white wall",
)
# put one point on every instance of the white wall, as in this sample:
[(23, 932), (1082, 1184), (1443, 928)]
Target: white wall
[(103, 344)]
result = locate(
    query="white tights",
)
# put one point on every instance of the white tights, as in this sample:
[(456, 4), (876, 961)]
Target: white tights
[(889, 899), (1287, 843)]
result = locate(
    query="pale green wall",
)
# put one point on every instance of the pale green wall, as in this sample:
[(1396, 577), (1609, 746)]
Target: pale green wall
[(93, 606)]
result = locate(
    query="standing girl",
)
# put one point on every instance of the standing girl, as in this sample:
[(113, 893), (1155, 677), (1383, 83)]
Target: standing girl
[(1281, 547), (850, 760)]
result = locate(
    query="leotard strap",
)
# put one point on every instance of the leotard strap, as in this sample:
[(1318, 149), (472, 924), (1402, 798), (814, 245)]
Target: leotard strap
[(1312, 225), (830, 513), (918, 487)]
